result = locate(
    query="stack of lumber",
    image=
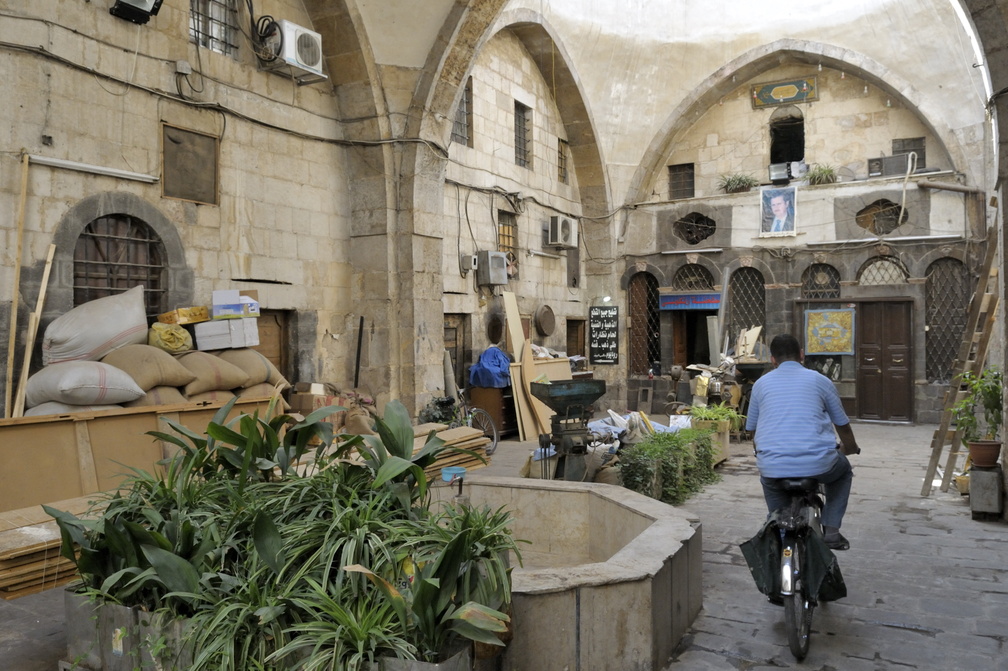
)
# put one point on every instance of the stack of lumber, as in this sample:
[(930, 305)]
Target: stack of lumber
[(30, 560), (463, 437)]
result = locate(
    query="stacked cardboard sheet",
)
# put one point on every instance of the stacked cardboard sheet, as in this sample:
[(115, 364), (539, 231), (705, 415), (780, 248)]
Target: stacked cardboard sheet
[(463, 437), (30, 560)]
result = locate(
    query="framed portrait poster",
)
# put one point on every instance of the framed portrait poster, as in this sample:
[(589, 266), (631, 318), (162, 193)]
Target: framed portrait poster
[(778, 211), (829, 332)]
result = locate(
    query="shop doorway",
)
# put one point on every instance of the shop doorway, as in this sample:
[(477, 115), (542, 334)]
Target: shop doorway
[(690, 338)]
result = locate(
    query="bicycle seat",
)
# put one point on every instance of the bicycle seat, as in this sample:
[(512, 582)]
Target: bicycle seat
[(799, 484)]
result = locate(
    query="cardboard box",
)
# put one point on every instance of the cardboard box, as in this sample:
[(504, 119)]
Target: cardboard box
[(244, 332), (190, 315), (212, 335), (305, 403), (244, 304)]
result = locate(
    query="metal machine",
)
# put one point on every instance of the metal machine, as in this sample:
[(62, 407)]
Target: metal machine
[(572, 401)]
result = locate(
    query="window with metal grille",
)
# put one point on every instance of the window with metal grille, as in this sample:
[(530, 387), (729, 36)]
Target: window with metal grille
[(881, 217), (821, 280), (214, 24), (116, 253), (694, 228), (910, 144), (946, 295), (882, 270), (681, 181), (746, 301), (462, 126), (523, 135), (692, 277), (645, 330), (563, 151), (507, 240)]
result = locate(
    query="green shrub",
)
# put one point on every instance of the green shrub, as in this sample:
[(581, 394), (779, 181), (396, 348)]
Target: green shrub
[(669, 467)]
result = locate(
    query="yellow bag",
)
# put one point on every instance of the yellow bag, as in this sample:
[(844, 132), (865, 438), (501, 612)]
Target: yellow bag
[(169, 337)]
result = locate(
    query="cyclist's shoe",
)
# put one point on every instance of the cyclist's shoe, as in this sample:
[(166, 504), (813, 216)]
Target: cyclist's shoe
[(834, 539), (776, 600)]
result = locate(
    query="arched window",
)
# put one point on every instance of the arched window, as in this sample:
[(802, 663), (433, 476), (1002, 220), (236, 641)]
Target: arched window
[(645, 332), (694, 228), (115, 253), (946, 295), (882, 270), (692, 277), (821, 280), (746, 301)]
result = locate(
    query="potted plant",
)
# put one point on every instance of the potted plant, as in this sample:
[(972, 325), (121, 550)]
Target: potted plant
[(737, 182), (981, 433), (820, 173), (722, 420), (263, 549)]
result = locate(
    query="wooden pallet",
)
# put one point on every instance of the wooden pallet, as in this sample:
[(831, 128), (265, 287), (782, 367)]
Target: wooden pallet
[(971, 357)]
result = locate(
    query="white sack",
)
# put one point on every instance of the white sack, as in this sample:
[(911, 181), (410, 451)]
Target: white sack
[(92, 330), (81, 383)]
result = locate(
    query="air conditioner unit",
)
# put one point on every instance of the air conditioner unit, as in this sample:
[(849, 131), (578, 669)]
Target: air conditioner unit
[(888, 165), (562, 232), (293, 46), (491, 268)]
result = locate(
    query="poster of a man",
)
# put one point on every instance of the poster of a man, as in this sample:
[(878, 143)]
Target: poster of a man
[(778, 212)]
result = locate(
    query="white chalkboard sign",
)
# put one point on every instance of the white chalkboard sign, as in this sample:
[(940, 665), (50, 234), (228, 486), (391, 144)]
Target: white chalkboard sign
[(603, 334)]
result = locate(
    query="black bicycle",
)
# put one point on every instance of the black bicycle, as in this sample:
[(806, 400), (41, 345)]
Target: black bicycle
[(799, 522)]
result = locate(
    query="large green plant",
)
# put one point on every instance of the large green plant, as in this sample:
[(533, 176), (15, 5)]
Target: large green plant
[(985, 390), (251, 537), (669, 466)]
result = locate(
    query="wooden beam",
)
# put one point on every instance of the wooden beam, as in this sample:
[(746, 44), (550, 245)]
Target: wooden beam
[(12, 339), (33, 324)]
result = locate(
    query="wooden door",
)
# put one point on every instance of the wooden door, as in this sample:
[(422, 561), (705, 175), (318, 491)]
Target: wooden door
[(884, 380), (273, 325)]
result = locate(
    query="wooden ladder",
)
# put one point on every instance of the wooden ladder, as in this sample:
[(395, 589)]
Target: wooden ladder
[(972, 352)]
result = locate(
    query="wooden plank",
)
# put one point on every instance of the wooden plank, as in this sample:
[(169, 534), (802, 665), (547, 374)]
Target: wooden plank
[(23, 517), (30, 573), (85, 458), (33, 324), (25, 540), (41, 586), (516, 336), (12, 334)]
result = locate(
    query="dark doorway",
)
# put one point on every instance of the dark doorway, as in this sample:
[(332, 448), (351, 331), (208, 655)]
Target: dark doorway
[(690, 337), (884, 354)]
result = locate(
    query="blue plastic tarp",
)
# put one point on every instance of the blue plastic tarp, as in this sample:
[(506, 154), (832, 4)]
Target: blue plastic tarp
[(492, 370)]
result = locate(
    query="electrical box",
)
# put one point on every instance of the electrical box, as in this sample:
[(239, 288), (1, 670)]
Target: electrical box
[(491, 268), (562, 232)]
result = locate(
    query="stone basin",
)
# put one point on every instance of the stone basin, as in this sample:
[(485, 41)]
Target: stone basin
[(611, 579)]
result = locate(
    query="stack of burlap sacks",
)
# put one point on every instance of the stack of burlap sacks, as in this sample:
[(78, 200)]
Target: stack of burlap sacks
[(102, 355)]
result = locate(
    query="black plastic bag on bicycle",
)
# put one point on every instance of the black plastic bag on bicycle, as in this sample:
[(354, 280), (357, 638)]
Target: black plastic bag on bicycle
[(762, 553)]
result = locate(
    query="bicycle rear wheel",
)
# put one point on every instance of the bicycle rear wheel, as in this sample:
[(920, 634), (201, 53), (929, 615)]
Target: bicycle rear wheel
[(481, 419), (798, 613)]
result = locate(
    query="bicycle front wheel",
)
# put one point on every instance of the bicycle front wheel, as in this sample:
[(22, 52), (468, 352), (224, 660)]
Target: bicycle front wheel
[(798, 616), (481, 419)]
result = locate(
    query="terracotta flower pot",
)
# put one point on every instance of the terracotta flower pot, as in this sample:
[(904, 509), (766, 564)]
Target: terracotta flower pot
[(984, 453)]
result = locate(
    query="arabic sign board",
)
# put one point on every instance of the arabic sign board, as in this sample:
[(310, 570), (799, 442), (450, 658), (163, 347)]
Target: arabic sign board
[(603, 334), (689, 301)]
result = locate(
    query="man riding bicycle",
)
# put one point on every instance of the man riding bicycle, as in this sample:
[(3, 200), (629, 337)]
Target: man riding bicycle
[(794, 411)]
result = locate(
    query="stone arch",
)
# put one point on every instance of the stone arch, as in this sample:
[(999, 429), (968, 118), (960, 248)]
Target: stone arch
[(642, 267), (763, 58), (59, 295)]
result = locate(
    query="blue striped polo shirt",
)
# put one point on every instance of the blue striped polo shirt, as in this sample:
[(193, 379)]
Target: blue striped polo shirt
[(793, 410)]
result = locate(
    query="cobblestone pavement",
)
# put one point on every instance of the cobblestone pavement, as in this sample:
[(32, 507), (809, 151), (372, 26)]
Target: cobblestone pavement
[(927, 585)]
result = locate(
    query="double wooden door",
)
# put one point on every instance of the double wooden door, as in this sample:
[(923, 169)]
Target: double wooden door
[(885, 361)]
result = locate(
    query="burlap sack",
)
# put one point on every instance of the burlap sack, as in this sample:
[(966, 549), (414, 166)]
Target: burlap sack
[(160, 395), (212, 373), (54, 408), (92, 330), (259, 368), (149, 366)]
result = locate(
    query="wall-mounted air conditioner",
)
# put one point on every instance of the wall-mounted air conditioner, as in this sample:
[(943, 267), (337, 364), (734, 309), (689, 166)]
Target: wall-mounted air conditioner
[(491, 268), (295, 47), (888, 165), (562, 232)]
